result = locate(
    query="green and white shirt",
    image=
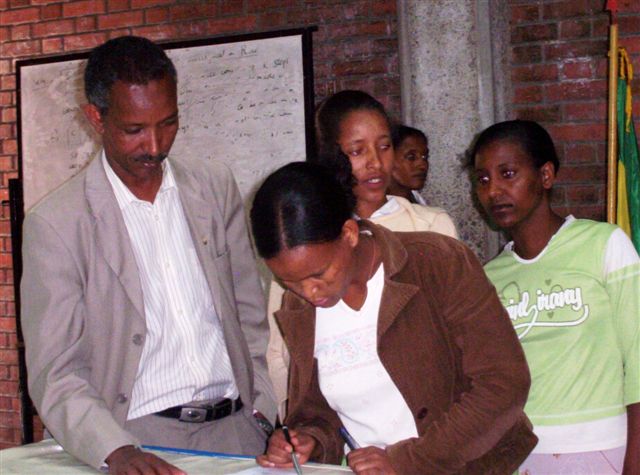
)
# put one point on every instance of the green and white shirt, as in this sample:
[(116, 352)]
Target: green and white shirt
[(576, 310)]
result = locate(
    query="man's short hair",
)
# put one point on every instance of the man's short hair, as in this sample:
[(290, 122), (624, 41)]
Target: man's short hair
[(130, 59)]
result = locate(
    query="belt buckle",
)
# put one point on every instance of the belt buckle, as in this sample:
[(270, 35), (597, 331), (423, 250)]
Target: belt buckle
[(193, 414)]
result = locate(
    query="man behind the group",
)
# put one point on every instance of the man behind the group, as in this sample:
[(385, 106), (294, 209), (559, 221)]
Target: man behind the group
[(140, 294)]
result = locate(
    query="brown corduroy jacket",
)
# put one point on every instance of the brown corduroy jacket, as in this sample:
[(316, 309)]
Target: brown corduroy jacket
[(449, 347)]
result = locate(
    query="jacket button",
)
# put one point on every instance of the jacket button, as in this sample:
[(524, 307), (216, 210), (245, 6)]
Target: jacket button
[(138, 339), (122, 398), (422, 413)]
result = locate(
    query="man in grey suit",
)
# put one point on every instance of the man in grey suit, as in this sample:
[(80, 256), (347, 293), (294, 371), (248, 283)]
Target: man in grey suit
[(143, 315)]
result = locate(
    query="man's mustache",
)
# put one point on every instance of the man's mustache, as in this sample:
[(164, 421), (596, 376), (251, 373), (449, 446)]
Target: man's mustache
[(151, 158)]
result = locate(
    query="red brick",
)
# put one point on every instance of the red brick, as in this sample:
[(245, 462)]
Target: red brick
[(231, 7), (20, 48), (118, 33), (87, 7), (8, 388), (273, 20), (157, 33), (192, 28), (9, 356), (8, 82), (10, 419), (20, 15), (156, 15), (228, 25), (6, 291), (566, 9), (563, 51), (577, 69), (576, 90), (7, 324), (52, 45), (580, 111), (135, 4), (5, 34), (527, 94), (350, 31), (578, 132), (6, 131), (384, 9), (376, 66), (9, 146), (20, 32), (6, 404), (524, 13), (632, 45), (8, 114), (118, 5), (261, 5), (594, 212), (19, 3), (628, 25), (531, 33), (628, 6), (50, 12), (192, 11), (600, 28), (11, 436), (526, 54), (5, 257), (53, 28), (85, 23), (120, 20), (86, 41), (580, 194), (535, 73), (539, 113), (575, 29)]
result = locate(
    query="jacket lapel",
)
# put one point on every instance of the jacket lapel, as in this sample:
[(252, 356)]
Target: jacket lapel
[(298, 327), (396, 295), (201, 222), (112, 237)]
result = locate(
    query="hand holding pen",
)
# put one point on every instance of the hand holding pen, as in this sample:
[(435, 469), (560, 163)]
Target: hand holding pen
[(294, 457), (280, 453), (368, 459)]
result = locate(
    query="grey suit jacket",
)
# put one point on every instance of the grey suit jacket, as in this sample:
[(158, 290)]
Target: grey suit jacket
[(82, 307)]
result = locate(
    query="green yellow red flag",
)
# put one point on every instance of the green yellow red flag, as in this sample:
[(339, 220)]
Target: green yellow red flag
[(628, 202)]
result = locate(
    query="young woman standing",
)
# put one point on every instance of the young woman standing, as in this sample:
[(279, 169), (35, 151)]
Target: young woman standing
[(572, 290), (388, 334)]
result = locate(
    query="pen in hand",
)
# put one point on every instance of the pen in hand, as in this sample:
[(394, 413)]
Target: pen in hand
[(350, 441), (296, 464)]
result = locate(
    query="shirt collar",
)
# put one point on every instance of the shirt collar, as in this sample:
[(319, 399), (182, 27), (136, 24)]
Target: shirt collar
[(124, 196), (390, 207)]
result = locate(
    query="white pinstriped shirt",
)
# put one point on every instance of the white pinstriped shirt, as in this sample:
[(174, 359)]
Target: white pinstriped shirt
[(184, 357)]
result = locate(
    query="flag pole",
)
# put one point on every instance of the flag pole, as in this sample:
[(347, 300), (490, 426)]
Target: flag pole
[(612, 142)]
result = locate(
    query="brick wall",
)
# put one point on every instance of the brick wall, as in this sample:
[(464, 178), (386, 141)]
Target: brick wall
[(559, 77), (355, 47)]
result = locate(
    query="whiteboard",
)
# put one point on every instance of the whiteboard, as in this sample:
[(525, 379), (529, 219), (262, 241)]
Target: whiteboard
[(245, 101)]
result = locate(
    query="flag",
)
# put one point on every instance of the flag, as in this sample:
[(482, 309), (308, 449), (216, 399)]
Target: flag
[(628, 207)]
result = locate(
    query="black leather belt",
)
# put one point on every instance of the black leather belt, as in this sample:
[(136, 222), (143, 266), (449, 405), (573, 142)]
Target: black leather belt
[(202, 413)]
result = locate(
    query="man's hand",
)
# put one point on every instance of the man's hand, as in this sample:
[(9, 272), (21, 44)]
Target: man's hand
[(279, 451), (370, 461), (130, 460)]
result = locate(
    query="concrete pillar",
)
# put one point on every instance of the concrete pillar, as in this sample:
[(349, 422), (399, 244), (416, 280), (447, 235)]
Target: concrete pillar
[(452, 54)]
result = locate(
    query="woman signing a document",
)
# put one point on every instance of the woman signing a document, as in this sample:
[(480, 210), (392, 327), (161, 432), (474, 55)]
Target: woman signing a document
[(397, 337)]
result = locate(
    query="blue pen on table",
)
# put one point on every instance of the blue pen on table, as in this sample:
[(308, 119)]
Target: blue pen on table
[(349, 440), (296, 464)]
